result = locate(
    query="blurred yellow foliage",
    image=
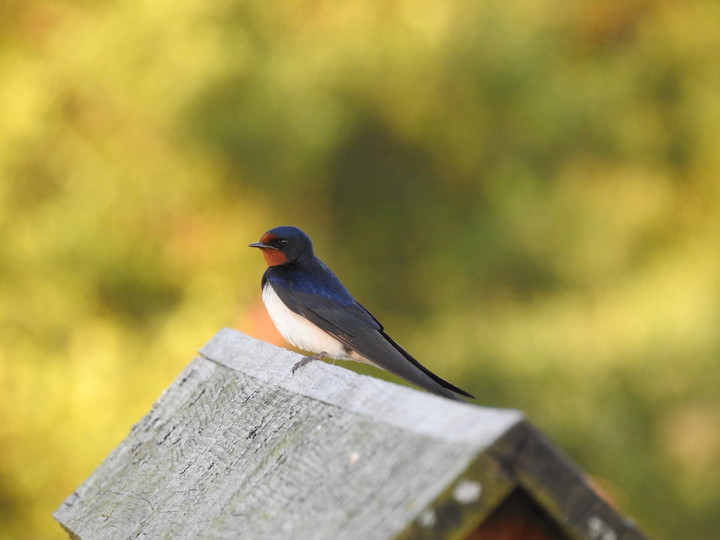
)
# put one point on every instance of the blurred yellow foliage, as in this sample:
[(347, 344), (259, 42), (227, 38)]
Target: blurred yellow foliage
[(541, 177)]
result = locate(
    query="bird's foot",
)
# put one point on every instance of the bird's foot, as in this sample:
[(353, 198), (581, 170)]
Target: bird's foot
[(307, 360)]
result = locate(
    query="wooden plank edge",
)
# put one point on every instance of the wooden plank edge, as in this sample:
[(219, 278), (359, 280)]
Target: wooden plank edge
[(560, 486), (398, 405)]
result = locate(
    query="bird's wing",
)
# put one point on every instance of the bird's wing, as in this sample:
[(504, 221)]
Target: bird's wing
[(357, 329)]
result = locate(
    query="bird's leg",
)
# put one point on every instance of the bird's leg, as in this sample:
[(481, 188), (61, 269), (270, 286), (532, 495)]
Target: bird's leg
[(307, 360)]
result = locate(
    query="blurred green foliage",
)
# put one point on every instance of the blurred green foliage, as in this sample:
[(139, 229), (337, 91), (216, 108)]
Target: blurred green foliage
[(526, 193)]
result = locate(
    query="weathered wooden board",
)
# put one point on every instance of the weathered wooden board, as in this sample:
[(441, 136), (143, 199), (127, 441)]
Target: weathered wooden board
[(560, 487), (238, 447)]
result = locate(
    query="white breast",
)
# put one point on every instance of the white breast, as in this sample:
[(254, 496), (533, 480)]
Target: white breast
[(297, 330)]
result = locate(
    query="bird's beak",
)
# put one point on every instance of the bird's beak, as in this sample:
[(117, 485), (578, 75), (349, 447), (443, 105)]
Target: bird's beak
[(261, 245)]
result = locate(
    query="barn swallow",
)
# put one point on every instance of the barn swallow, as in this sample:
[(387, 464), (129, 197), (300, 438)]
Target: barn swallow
[(315, 312)]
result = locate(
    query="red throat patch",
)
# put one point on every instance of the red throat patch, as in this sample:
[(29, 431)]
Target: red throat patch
[(273, 257)]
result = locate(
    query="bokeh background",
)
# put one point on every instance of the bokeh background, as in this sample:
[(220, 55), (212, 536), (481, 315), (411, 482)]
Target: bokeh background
[(526, 193)]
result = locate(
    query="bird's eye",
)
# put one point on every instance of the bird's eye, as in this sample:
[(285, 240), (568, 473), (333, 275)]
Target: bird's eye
[(282, 243)]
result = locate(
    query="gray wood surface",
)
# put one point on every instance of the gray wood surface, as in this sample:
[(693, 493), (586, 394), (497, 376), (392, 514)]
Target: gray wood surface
[(238, 447)]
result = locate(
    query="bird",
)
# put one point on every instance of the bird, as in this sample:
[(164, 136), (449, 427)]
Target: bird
[(314, 312)]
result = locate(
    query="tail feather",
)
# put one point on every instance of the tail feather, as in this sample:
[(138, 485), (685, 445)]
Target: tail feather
[(430, 382)]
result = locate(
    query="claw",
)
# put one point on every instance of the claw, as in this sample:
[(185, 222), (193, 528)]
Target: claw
[(307, 360)]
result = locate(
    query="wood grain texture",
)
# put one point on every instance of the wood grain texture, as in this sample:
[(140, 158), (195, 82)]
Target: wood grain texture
[(560, 487), (238, 447)]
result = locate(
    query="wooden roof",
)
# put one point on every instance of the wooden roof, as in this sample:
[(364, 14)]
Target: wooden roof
[(238, 447)]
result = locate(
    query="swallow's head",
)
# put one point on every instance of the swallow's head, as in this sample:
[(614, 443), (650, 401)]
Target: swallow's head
[(283, 245)]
